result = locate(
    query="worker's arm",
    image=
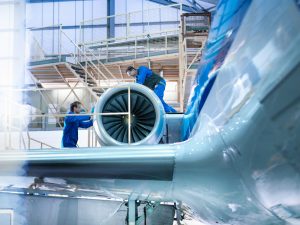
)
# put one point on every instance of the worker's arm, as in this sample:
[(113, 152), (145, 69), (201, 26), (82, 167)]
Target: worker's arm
[(86, 124), (71, 119), (143, 72)]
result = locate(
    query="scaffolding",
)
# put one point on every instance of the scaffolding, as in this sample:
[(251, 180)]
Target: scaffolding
[(94, 65), (86, 61), (194, 34)]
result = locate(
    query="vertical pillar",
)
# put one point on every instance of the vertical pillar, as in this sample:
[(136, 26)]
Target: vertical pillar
[(131, 212), (110, 20)]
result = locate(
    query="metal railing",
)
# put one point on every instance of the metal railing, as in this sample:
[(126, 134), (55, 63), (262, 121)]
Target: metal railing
[(84, 58), (39, 122), (91, 54), (100, 52), (147, 21), (87, 61), (133, 47), (28, 139), (132, 23), (41, 143)]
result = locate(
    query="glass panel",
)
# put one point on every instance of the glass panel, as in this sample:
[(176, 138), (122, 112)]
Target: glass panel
[(7, 17), (6, 44)]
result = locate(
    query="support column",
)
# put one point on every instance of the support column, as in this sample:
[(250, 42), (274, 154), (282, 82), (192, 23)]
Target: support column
[(110, 20), (131, 212)]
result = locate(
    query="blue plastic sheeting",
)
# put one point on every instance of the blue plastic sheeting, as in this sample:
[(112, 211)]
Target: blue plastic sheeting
[(225, 25)]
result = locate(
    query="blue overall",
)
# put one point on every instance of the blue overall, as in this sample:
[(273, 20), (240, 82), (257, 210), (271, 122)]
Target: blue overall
[(142, 73), (70, 132)]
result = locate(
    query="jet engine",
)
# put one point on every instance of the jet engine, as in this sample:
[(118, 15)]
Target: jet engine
[(146, 119)]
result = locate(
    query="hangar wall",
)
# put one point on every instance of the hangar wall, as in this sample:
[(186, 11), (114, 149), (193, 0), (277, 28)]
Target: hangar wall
[(44, 18)]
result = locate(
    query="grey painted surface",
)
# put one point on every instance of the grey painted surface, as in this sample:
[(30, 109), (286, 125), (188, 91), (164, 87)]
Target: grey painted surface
[(5, 219)]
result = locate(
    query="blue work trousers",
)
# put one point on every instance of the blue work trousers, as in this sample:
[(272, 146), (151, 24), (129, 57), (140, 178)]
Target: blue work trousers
[(159, 91)]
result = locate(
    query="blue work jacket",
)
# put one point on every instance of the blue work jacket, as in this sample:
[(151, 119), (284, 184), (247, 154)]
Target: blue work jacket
[(71, 125)]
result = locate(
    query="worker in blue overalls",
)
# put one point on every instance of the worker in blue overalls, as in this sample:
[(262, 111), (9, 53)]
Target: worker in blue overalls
[(151, 80), (71, 124)]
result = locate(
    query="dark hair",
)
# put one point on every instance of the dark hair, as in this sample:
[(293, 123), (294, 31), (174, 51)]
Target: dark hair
[(130, 68), (74, 104)]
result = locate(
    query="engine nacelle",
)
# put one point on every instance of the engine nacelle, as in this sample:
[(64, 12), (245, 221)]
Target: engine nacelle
[(147, 117)]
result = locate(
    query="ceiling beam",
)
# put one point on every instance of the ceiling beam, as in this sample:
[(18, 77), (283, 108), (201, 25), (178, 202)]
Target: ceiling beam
[(111, 20)]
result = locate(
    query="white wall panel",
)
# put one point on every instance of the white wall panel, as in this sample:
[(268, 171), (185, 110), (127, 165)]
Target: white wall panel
[(88, 10), (134, 5), (34, 16), (135, 30), (99, 8), (67, 13), (57, 12), (88, 34), (120, 31), (79, 12), (169, 14), (48, 14), (47, 41), (121, 6), (71, 13), (99, 34)]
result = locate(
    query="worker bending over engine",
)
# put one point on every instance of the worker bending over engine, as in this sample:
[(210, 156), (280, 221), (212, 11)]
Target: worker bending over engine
[(147, 77)]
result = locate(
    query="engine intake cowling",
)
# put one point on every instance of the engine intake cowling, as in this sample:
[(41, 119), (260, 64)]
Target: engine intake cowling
[(147, 117)]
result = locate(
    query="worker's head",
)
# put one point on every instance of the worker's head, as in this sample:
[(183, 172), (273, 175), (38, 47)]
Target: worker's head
[(75, 107), (131, 71)]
